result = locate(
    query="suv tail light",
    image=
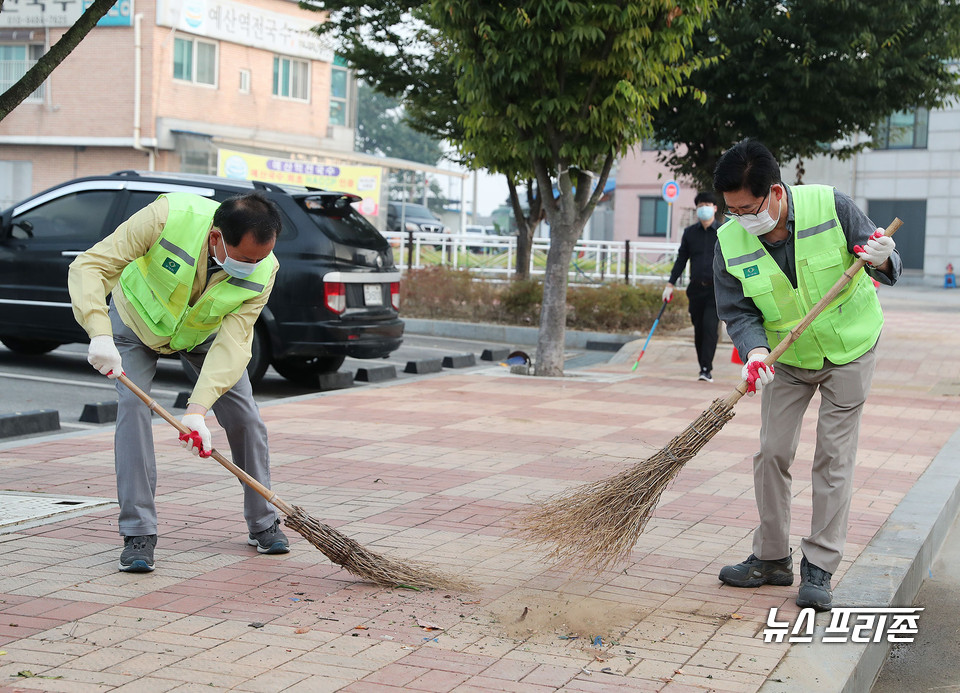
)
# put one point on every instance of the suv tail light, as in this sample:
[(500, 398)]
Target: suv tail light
[(335, 296), (395, 295)]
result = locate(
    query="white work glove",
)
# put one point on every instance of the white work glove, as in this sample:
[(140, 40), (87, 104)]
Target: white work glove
[(199, 435), (756, 372), (667, 293), (877, 249), (102, 354)]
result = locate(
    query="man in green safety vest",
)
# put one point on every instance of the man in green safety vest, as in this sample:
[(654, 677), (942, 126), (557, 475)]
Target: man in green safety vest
[(173, 300), (782, 249)]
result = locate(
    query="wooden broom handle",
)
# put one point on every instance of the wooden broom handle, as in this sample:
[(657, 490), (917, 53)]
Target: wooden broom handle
[(811, 315), (215, 454)]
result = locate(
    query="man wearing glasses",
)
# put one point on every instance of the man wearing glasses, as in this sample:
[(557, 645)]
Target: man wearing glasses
[(782, 249)]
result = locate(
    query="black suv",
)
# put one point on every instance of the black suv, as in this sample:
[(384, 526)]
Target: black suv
[(414, 217), (337, 291)]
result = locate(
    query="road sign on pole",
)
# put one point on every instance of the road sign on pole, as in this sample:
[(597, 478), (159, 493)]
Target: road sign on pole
[(670, 191)]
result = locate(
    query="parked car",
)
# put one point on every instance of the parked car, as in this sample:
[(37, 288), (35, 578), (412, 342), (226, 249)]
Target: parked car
[(337, 292), (479, 231), (416, 218)]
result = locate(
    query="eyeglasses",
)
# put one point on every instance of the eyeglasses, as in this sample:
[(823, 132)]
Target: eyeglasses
[(752, 215)]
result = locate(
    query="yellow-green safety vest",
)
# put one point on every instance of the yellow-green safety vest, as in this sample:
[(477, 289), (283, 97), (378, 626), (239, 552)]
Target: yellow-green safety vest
[(849, 325), (158, 285)]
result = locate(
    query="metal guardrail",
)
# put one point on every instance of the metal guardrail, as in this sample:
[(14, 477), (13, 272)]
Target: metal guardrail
[(494, 257)]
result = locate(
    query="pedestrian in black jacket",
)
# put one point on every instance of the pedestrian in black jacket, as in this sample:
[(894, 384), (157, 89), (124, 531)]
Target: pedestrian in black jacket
[(697, 245)]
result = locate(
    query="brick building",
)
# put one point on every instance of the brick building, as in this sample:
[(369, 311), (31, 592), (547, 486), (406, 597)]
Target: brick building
[(165, 85)]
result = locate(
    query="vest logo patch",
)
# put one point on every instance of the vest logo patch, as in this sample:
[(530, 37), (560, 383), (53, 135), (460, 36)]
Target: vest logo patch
[(171, 265), (751, 271)]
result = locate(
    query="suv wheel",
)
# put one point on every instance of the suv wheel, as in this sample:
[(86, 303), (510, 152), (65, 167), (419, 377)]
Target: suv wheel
[(29, 347), (307, 370)]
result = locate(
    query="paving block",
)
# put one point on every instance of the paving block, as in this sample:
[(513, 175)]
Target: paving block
[(99, 412), (604, 345), (422, 366), (335, 381), (376, 374), (494, 354), (459, 361), (182, 399), (21, 423)]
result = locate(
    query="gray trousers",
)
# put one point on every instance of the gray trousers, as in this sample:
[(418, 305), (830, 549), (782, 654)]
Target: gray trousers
[(843, 391), (135, 460)]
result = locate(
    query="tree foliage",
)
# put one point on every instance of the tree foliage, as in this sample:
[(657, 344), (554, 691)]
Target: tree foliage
[(383, 130), (804, 76), (560, 89), (36, 75)]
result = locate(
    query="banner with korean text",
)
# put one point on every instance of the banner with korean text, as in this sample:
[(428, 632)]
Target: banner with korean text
[(359, 180)]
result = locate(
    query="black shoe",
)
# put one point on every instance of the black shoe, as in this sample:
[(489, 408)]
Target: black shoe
[(270, 540), (754, 572), (814, 587), (137, 554), (705, 375)]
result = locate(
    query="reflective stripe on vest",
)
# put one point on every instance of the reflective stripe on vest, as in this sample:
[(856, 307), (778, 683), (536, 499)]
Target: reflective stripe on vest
[(158, 285), (849, 325)]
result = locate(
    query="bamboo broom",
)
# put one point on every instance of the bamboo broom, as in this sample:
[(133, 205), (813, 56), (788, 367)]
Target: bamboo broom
[(597, 524), (340, 549)]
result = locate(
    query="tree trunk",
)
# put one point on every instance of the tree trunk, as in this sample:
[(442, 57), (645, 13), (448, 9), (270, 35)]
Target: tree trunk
[(36, 75), (553, 311), (526, 225)]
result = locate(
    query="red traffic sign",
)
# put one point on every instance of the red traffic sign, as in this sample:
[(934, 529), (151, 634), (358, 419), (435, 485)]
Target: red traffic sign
[(670, 191)]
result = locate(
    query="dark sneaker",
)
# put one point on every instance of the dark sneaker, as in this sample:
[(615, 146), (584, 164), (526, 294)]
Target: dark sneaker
[(270, 540), (705, 375), (814, 587), (753, 572), (137, 554)]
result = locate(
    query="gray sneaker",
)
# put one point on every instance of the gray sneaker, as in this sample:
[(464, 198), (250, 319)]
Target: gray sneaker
[(137, 554), (754, 572), (814, 587), (270, 540)]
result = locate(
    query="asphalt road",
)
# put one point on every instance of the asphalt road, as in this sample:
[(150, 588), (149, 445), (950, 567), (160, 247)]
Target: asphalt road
[(64, 381)]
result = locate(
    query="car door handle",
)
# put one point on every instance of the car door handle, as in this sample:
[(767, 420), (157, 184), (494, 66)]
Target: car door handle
[(70, 253)]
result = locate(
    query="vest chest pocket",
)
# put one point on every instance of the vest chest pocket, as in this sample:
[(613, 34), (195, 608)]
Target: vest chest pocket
[(825, 269), (162, 281), (760, 291)]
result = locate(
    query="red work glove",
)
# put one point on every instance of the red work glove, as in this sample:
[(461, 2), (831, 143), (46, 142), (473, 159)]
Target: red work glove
[(756, 373), (198, 440)]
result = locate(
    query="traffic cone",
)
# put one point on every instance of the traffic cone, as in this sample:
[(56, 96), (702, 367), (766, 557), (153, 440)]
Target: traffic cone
[(735, 357)]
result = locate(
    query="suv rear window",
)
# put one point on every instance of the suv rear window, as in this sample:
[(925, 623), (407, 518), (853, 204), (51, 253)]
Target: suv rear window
[(340, 222)]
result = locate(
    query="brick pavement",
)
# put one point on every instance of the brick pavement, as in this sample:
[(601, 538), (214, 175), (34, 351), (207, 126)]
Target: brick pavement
[(433, 470)]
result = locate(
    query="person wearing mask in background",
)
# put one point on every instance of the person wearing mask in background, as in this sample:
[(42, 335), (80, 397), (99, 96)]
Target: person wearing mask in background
[(782, 250), (188, 276), (697, 245)]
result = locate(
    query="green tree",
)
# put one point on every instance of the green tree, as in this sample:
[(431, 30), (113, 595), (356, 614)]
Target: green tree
[(394, 47), (805, 77), (382, 130), (561, 88), (36, 75)]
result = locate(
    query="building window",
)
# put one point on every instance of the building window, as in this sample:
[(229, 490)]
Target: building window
[(195, 61), (903, 130), (653, 217), (15, 60), (338, 91), (291, 78), (244, 81)]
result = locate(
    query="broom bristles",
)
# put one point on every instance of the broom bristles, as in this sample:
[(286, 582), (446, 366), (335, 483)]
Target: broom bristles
[(598, 524), (369, 565)]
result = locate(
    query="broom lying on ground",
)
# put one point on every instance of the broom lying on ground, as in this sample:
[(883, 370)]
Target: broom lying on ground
[(598, 524), (341, 550)]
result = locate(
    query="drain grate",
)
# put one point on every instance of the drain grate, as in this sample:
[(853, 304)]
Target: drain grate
[(18, 510)]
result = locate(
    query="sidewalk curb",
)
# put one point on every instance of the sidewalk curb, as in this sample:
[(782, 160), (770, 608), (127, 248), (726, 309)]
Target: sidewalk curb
[(505, 334), (889, 572)]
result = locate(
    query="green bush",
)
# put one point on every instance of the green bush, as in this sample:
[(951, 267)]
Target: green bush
[(443, 294)]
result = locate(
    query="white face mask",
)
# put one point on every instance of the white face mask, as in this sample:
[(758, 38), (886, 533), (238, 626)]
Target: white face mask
[(235, 268), (758, 224)]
